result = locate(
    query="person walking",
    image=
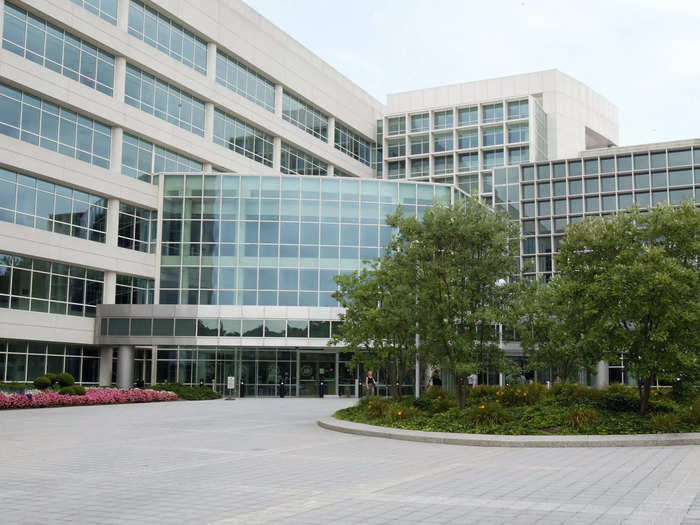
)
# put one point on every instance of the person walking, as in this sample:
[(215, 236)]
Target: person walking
[(370, 384)]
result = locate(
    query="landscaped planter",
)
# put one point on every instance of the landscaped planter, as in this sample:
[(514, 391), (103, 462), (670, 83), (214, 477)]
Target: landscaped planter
[(93, 396)]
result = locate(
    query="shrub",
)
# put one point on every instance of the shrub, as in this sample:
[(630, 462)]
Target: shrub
[(439, 401), (42, 382), (400, 412), (481, 392), (665, 423), (568, 394), (620, 398), (52, 377), (65, 379), (75, 390), (694, 412), (377, 407), (486, 414), (581, 418), (189, 393), (516, 395)]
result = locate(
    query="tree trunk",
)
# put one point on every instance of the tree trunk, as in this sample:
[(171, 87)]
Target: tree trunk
[(461, 391), (644, 399)]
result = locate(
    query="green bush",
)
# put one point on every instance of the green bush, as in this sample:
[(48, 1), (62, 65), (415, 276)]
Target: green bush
[(486, 414), (42, 382), (436, 402), (74, 390), (568, 394), (400, 412), (65, 379), (13, 386), (620, 398), (520, 395), (188, 393), (694, 412), (377, 407), (480, 392), (665, 423), (582, 419)]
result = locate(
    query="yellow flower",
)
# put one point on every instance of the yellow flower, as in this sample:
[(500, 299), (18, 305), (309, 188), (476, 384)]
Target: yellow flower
[(400, 412), (482, 406), (524, 393)]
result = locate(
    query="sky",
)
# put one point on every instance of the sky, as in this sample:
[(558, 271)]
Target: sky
[(642, 55)]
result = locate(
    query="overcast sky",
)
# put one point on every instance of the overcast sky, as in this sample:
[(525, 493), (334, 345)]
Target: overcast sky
[(643, 55)]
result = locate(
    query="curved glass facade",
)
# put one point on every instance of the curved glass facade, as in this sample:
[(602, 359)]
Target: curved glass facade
[(275, 240)]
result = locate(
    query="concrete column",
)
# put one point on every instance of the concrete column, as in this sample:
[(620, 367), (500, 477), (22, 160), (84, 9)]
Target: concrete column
[(277, 154), (331, 131), (331, 170), (106, 354), (211, 62), (278, 99), (123, 15), (112, 223), (602, 378), (209, 121), (501, 379), (154, 363), (115, 162), (207, 167), (125, 367), (109, 293), (119, 78), (2, 12)]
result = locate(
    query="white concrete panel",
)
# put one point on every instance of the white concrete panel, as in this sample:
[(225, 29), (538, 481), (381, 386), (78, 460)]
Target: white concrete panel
[(18, 324)]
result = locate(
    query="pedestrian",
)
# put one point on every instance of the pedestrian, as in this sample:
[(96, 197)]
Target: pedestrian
[(370, 384), (437, 382)]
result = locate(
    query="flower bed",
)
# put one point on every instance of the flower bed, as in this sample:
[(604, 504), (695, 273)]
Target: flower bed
[(93, 396)]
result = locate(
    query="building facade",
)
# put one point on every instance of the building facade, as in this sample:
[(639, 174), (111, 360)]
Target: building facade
[(177, 193)]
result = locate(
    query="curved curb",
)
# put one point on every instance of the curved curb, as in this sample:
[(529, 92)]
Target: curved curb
[(487, 440)]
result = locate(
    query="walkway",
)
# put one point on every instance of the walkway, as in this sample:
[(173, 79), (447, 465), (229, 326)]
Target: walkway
[(265, 460)]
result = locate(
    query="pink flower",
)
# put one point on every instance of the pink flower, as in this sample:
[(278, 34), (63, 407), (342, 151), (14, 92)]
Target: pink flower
[(93, 396)]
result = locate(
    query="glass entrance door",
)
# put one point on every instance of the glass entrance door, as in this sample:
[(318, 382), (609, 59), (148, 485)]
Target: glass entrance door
[(314, 367)]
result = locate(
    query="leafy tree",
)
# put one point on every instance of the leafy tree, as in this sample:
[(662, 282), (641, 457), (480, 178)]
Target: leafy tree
[(639, 288), (445, 276)]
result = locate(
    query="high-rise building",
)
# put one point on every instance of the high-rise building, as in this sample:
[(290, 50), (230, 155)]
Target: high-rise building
[(180, 182)]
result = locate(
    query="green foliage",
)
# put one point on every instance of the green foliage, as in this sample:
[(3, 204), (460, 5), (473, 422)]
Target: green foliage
[(694, 412), (573, 393), (582, 419), (665, 423), (73, 390), (42, 382), (188, 393), (377, 407), (52, 377), (486, 414), (400, 412), (13, 386), (620, 398), (520, 395), (65, 379), (435, 401)]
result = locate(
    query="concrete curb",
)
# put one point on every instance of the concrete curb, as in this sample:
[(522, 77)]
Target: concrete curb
[(488, 440)]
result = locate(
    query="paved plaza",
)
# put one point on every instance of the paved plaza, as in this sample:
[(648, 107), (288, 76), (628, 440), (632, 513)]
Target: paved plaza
[(266, 461)]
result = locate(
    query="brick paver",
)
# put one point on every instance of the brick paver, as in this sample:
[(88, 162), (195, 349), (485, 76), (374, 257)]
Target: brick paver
[(266, 460)]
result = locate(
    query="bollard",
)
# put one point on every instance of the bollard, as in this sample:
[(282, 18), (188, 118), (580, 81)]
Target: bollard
[(242, 389), (320, 389), (282, 393)]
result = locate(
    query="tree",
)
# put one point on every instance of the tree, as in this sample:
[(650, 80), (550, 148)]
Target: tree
[(639, 288), (551, 327), (444, 277)]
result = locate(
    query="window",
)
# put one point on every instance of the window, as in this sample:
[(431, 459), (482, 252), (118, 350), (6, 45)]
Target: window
[(105, 9), (158, 31), (304, 116), (493, 159), (517, 109), (396, 126), (679, 158), (33, 120), (492, 136), (468, 139), (140, 159), (43, 286), (443, 142), (518, 133), (134, 290), (444, 165), (249, 84), (51, 207), (396, 148), (55, 49), (420, 167), (492, 113), (442, 119), (241, 137), (468, 162), (301, 163), (396, 169), (166, 102), (420, 122), (468, 116), (420, 145), (137, 228), (352, 144), (518, 155)]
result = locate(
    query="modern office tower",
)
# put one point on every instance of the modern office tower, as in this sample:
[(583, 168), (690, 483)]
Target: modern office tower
[(180, 182)]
